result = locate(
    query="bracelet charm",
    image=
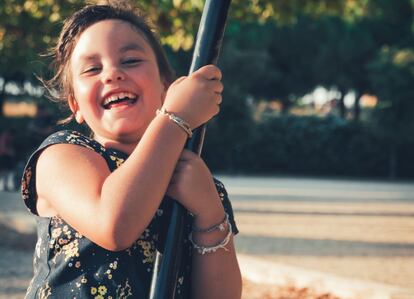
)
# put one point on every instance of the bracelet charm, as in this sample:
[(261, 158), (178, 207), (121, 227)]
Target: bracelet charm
[(219, 226), (211, 249)]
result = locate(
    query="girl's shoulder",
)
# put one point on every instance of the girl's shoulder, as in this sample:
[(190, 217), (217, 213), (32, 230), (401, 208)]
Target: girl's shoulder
[(64, 150), (113, 157)]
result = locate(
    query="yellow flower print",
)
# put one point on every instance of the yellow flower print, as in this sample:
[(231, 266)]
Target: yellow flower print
[(56, 232), (147, 253), (62, 241), (113, 265), (144, 244), (99, 297), (102, 290), (71, 250), (117, 160), (94, 290)]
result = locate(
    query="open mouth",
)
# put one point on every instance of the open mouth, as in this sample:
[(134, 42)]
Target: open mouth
[(119, 99)]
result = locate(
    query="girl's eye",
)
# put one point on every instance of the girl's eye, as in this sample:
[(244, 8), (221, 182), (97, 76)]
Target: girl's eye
[(131, 61), (91, 69)]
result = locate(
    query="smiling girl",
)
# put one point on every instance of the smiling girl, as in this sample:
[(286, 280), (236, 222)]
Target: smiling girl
[(100, 202)]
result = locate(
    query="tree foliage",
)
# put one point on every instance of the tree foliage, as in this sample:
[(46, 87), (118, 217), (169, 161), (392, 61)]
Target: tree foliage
[(273, 49)]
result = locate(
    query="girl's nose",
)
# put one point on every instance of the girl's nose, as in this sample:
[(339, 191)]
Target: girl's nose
[(113, 74)]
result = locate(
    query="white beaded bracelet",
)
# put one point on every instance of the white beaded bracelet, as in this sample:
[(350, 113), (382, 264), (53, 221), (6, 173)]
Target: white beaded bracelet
[(178, 121), (219, 226), (211, 249)]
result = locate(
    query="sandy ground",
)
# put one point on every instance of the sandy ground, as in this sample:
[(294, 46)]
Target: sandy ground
[(355, 229), (362, 230), (373, 246)]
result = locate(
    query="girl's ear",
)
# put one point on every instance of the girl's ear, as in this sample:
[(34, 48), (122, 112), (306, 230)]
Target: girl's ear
[(74, 107)]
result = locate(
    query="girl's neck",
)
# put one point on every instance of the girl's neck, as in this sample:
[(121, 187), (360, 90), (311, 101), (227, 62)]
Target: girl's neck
[(123, 146)]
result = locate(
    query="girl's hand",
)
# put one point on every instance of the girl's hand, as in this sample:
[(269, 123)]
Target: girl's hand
[(196, 98), (192, 185)]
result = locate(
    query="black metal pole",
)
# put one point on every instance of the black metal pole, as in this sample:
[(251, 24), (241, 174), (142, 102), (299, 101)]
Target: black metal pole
[(206, 51)]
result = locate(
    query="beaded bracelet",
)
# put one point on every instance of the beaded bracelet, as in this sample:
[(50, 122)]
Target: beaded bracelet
[(211, 249), (178, 121), (220, 226)]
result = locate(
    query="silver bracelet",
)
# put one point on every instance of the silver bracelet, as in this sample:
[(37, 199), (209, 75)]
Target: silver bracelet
[(178, 121), (211, 249), (220, 226)]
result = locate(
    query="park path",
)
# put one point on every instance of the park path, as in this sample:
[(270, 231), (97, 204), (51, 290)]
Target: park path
[(354, 229)]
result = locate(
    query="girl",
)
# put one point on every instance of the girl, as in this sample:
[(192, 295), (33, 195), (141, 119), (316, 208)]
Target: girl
[(99, 201)]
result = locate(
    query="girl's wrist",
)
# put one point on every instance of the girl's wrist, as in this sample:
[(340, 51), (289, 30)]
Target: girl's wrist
[(181, 123), (206, 243), (209, 218), (171, 124)]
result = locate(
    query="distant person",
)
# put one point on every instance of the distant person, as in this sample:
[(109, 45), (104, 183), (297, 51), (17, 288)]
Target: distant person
[(100, 201), (7, 160)]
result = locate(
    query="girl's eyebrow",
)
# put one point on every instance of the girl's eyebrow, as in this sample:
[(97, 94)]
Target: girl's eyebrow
[(126, 48), (131, 46), (88, 57)]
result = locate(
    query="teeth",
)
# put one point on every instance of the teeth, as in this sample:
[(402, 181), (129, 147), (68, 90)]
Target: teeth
[(118, 96)]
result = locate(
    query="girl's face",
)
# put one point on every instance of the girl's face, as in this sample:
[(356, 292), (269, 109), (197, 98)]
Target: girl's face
[(116, 83)]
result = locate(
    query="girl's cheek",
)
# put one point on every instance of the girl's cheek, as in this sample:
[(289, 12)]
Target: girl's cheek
[(83, 88)]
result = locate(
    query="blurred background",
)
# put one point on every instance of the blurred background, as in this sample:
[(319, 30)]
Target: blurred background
[(314, 140), (321, 87)]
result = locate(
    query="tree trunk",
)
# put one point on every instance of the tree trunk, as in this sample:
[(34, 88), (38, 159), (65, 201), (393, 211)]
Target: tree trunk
[(357, 107), (342, 108)]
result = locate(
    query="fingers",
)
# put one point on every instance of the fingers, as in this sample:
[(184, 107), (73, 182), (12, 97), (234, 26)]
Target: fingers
[(213, 75), (196, 98), (209, 72), (179, 80)]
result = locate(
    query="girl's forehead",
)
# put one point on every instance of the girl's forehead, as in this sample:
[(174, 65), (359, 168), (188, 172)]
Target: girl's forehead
[(114, 34)]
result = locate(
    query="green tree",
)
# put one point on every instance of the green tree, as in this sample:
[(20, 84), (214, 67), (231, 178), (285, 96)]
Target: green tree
[(392, 76), (27, 28)]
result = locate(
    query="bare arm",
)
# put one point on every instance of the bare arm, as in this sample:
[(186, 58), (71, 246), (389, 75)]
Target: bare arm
[(218, 272), (111, 209)]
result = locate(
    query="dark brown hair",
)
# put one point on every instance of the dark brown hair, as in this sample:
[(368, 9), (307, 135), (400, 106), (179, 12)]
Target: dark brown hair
[(59, 86)]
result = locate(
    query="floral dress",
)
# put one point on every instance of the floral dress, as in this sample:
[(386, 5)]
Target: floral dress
[(68, 265)]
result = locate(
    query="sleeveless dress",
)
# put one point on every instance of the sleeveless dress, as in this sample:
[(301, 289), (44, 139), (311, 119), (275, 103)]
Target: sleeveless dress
[(68, 265)]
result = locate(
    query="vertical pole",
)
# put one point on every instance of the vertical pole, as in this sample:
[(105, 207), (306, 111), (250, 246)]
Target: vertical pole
[(206, 51)]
